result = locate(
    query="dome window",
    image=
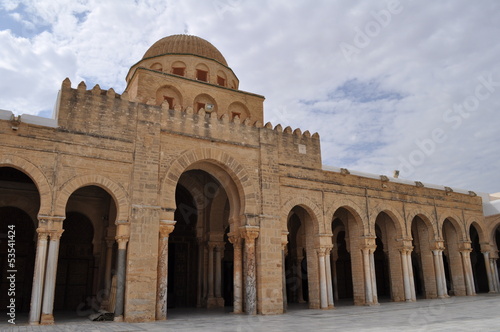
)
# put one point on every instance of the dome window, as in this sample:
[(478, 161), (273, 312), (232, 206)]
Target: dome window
[(157, 67), (221, 81), (179, 71), (202, 75)]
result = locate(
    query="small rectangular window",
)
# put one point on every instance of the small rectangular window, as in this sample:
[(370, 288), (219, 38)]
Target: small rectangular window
[(221, 81), (178, 71), (202, 75), (235, 114)]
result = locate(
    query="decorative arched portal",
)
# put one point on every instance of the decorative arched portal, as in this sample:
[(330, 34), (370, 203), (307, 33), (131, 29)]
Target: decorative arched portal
[(346, 255), (200, 267), (422, 261), (19, 206), (478, 262), (388, 259), (453, 267), (302, 274), (84, 268)]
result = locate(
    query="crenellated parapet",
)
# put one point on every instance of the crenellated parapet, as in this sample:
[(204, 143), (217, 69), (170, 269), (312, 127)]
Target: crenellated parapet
[(107, 114)]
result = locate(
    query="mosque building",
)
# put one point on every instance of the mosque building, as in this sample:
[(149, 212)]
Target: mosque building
[(177, 194)]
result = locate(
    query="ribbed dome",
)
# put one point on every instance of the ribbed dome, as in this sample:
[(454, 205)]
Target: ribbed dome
[(185, 44)]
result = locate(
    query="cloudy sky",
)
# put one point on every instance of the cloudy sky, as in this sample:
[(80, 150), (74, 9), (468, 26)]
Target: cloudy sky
[(408, 85)]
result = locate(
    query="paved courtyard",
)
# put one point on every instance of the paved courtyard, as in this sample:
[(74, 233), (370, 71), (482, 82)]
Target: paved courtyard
[(477, 313)]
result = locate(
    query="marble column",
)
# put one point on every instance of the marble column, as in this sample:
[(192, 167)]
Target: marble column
[(50, 278), (406, 275), (38, 277), (368, 276), (166, 227), (322, 278), (494, 270), (469, 277), (334, 257), (120, 276), (373, 276), (250, 233), (412, 279), (236, 240), (489, 273), (329, 289), (439, 271)]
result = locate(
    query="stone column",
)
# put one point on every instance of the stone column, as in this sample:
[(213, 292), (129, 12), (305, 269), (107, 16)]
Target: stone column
[(368, 276), (329, 289), (166, 227), (235, 239), (469, 277), (199, 295), (50, 277), (412, 280), (38, 277), (489, 273), (284, 249), (406, 275), (120, 276), (494, 270), (373, 276), (210, 247), (437, 271), (250, 233), (322, 279), (219, 249), (107, 270), (334, 257)]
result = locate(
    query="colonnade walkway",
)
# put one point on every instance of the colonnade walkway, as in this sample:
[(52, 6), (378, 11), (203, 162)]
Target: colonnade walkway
[(465, 313)]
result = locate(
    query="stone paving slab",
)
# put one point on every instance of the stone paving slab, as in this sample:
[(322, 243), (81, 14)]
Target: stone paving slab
[(471, 313)]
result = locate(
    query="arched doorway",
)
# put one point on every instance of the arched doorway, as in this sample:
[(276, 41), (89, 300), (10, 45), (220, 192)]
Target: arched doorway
[(422, 260), (301, 264), (477, 262), (200, 255), (452, 260), (345, 257), (295, 262), (89, 231), (19, 205), (388, 260)]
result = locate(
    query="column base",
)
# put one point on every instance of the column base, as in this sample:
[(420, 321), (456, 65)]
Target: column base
[(372, 304), (118, 319), (215, 302), (47, 319), (34, 323)]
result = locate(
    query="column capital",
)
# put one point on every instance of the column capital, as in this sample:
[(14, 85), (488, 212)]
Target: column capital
[(110, 240), (122, 241), (50, 222), (55, 235), (439, 245), (249, 233), (220, 246), (321, 251), (465, 246), (166, 227), (235, 239), (406, 249), (43, 234)]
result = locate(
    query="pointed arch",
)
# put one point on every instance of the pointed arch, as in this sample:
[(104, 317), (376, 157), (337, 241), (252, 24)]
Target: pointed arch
[(312, 209), (226, 169), (38, 177), (116, 191)]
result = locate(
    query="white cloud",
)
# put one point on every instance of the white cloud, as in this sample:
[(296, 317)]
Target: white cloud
[(423, 58)]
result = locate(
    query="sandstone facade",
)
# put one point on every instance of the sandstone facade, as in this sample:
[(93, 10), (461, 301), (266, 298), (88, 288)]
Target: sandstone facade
[(176, 194)]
